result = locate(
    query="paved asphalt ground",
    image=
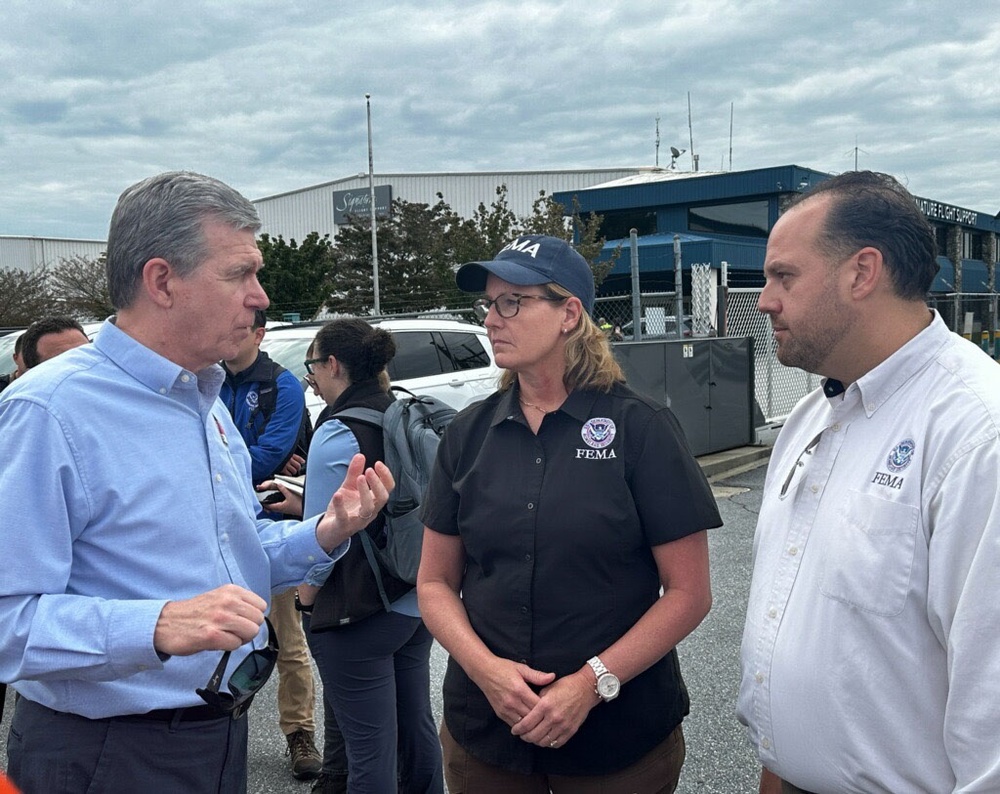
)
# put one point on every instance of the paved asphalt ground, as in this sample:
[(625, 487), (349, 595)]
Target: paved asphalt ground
[(718, 758)]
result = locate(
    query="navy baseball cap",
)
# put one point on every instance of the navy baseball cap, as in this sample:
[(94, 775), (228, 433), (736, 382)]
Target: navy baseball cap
[(533, 259)]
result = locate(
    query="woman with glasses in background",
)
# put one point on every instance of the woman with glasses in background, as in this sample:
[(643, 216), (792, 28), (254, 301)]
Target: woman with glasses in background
[(375, 664), (558, 509)]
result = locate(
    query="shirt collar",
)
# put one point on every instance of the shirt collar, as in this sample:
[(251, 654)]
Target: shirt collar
[(152, 370), (878, 385)]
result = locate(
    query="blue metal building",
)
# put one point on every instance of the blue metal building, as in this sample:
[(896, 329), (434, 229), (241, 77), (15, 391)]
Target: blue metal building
[(726, 217)]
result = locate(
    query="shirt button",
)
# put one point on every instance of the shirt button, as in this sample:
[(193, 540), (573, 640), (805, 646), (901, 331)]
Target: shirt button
[(772, 612), (835, 427), (765, 743), (218, 478), (531, 505), (163, 391), (527, 558), (759, 678), (225, 537), (185, 378), (524, 610), (538, 460), (311, 558), (793, 550), (814, 488)]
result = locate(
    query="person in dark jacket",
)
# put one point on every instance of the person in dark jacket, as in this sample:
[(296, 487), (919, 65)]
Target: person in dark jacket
[(375, 665), (270, 427)]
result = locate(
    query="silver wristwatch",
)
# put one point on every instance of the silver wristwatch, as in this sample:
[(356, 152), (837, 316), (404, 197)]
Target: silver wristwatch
[(608, 684)]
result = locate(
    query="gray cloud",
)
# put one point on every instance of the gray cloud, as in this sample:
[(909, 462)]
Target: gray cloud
[(271, 98)]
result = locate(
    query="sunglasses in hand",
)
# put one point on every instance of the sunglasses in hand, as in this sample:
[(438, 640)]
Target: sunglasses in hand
[(246, 680)]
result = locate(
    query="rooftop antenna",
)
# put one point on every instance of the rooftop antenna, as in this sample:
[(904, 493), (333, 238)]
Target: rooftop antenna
[(657, 158), (694, 157), (730, 136), (856, 150), (674, 154)]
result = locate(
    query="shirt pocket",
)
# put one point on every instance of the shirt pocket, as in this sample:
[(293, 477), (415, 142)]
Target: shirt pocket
[(869, 560)]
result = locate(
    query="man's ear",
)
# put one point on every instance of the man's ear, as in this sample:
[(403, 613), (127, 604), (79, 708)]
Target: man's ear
[(868, 270), (158, 282)]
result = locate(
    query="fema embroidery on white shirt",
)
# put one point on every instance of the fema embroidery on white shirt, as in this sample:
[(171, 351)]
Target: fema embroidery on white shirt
[(598, 433), (896, 461)]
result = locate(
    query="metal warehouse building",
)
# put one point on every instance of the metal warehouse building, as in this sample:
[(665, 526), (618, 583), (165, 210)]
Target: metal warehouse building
[(323, 208), (31, 253)]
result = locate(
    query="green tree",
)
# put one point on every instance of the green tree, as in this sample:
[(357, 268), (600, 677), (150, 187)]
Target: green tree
[(80, 284), (416, 255), (295, 275), (24, 296)]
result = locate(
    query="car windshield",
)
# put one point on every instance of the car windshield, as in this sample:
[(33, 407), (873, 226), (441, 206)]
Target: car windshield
[(289, 352), (7, 342)]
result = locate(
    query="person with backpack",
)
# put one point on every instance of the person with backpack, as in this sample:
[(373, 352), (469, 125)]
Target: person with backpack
[(268, 407), (369, 642)]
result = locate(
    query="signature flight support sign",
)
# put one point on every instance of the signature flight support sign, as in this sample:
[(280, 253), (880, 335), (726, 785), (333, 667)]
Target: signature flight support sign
[(357, 203)]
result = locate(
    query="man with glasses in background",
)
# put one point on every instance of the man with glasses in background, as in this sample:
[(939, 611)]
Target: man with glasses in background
[(135, 555), (871, 657)]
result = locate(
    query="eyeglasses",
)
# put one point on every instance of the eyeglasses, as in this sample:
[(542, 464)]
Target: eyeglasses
[(246, 681), (308, 364), (800, 462), (509, 304)]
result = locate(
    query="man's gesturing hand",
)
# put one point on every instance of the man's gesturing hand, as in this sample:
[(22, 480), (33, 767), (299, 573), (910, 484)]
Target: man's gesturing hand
[(355, 503)]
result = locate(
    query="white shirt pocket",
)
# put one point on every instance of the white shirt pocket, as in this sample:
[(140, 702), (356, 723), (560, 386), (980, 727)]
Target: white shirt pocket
[(868, 559)]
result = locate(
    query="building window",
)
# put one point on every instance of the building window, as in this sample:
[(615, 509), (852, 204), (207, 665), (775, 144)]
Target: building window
[(941, 238), (972, 245), (618, 224), (746, 219)]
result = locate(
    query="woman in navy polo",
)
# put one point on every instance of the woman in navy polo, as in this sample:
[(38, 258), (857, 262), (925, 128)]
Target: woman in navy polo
[(558, 509)]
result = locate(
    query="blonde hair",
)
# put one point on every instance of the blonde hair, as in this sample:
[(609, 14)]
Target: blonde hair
[(590, 364)]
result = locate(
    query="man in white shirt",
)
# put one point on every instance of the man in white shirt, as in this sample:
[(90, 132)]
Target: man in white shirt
[(871, 654)]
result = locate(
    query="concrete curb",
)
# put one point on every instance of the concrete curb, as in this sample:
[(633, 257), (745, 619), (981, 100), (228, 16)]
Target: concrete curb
[(717, 464)]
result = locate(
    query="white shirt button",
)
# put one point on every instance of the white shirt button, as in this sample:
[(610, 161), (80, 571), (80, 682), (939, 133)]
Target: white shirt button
[(531, 505), (793, 550), (772, 612), (225, 537), (538, 460), (835, 427), (163, 391), (312, 558), (218, 478), (185, 378), (814, 488), (765, 743), (759, 678)]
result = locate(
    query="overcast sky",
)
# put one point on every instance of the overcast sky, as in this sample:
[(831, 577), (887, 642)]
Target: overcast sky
[(269, 97)]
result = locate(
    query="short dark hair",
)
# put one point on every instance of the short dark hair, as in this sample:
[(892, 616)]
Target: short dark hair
[(363, 350), (872, 209), (43, 327)]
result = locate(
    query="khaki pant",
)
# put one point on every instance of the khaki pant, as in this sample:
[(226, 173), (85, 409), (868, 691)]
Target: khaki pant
[(296, 689)]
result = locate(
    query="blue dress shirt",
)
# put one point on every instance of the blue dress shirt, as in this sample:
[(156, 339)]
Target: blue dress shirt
[(133, 489)]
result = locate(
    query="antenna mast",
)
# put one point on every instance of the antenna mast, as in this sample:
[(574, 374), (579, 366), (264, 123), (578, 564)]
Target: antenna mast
[(656, 162), (694, 157), (730, 136)]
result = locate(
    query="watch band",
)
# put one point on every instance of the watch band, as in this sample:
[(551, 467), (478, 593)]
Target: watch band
[(597, 666)]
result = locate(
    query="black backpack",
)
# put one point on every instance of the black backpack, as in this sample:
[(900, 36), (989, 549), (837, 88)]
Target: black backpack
[(411, 431), (267, 401)]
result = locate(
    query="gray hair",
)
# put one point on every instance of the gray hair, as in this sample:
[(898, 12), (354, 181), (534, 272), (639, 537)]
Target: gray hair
[(162, 217)]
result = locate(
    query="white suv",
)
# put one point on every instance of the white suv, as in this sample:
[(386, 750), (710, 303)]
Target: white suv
[(447, 359)]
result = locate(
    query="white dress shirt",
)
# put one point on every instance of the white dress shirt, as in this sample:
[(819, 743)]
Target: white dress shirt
[(871, 651)]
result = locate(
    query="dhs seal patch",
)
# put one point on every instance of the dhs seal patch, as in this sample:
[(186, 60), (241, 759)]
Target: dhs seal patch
[(901, 455), (598, 433), (252, 400)]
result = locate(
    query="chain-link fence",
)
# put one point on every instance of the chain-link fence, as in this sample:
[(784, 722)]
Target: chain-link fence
[(973, 315)]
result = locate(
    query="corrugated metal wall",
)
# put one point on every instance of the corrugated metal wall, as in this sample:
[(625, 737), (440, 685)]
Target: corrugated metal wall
[(296, 214), (30, 253)]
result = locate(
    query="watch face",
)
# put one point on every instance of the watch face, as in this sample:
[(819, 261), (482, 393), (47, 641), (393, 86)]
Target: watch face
[(608, 686)]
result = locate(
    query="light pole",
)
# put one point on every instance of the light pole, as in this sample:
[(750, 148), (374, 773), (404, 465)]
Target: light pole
[(371, 202)]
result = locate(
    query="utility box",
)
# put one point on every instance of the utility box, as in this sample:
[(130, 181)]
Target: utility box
[(707, 383)]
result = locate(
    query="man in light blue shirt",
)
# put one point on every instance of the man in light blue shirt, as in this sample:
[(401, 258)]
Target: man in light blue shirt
[(135, 556)]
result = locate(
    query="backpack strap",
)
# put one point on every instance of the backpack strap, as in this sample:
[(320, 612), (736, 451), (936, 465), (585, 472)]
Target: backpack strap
[(372, 417)]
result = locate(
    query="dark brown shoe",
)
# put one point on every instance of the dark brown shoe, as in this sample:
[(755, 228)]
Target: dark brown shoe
[(306, 761)]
